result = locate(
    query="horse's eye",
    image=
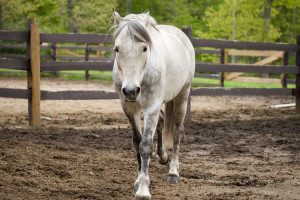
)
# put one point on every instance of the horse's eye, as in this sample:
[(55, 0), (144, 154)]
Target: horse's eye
[(144, 49), (116, 49)]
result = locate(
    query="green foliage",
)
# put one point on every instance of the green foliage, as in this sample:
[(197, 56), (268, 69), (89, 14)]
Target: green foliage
[(242, 21), (212, 19), (14, 14), (48, 13), (53, 16), (93, 16)]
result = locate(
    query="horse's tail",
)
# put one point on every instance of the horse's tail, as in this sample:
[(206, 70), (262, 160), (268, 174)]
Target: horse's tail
[(168, 125)]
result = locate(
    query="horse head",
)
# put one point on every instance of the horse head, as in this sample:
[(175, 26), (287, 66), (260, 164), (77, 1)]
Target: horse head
[(132, 44)]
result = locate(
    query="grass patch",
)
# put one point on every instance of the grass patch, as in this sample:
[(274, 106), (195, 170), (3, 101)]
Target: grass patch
[(19, 73), (94, 75)]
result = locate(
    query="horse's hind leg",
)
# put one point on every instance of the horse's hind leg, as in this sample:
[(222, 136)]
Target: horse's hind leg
[(160, 151), (178, 131)]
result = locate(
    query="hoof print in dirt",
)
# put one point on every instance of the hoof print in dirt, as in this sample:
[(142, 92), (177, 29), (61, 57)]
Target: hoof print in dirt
[(172, 179)]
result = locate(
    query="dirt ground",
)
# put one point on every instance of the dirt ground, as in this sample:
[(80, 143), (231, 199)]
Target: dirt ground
[(234, 148)]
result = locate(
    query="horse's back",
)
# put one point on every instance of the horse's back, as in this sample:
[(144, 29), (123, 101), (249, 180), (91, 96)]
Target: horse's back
[(175, 32), (180, 60)]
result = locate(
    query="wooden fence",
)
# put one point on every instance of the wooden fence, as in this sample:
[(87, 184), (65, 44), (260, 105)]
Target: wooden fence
[(33, 66), (270, 56)]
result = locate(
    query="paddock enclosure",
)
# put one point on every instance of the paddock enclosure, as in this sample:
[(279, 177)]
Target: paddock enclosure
[(234, 148), (33, 62)]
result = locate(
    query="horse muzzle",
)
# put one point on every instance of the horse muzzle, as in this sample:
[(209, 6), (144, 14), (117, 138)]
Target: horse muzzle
[(131, 93)]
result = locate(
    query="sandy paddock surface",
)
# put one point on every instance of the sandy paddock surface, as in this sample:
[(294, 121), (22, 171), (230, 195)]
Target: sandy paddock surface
[(234, 148)]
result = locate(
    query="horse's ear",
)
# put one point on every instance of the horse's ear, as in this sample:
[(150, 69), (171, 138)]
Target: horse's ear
[(147, 18), (117, 18)]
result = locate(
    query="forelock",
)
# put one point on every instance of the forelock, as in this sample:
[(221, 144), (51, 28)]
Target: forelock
[(135, 28)]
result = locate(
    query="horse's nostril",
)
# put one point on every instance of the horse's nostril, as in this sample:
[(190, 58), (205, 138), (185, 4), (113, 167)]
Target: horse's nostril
[(125, 91), (138, 90)]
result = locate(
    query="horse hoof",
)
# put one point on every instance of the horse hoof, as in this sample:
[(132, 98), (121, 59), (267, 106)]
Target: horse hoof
[(146, 197), (172, 179), (136, 187), (162, 162)]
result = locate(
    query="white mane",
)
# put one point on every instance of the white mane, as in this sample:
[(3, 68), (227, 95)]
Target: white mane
[(136, 27)]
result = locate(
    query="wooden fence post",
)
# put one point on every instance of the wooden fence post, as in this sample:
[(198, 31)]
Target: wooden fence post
[(35, 73), (223, 60), (298, 76), (53, 55), (29, 77), (86, 58), (285, 62), (188, 31)]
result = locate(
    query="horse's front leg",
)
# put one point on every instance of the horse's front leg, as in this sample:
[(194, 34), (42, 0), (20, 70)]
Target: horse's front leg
[(146, 148), (135, 122)]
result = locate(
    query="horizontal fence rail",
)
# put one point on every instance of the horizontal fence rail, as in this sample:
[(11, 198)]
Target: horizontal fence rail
[(12, 56), (204, 51), (91, 48), (75, 38), (85, 65), (73, 58), (79, 47), (12, 46), (225, 44), (210, 76), (242, 92), (14, 64), (216, 67), (14, 93), (78, 95), (19, 36), (90, 95)]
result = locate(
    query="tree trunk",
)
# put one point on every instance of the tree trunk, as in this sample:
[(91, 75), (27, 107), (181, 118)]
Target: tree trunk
[(70, 16), (267, 21), (128, 6), (233, 33), (0, 16), (293, 24)]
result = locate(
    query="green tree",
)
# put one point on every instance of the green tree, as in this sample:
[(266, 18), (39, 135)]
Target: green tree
[(53, 16), (197, 8), (176, 12), (93, 16), (47, 13), (288, 20), (249, 22), (50, 15), (14, 14)]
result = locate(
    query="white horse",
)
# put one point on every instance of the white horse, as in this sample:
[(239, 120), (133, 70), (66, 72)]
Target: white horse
[(154, 65)]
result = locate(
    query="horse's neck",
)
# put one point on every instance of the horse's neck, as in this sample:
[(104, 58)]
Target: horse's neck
[(158, 46)]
